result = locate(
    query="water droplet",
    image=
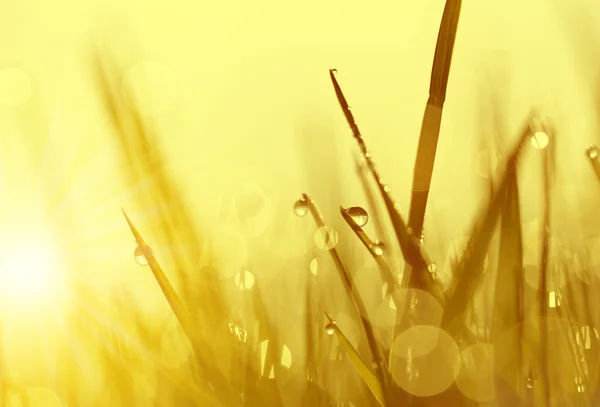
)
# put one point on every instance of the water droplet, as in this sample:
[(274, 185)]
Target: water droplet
[(330, 328), (326, 238), (359, 215), (334, 71), (244, 280), (138, 256), (593, 152), (432, 267), (301, 207), (540, 140), (378, 248), (314, 266)]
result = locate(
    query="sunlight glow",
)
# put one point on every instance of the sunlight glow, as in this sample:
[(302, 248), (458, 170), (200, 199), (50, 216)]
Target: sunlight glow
[(28, 269)]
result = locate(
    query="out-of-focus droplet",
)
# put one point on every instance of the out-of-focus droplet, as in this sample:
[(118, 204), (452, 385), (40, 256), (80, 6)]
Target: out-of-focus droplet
[(477, 373), (244, 280), (378, 248), (539, 140), (593, 152), (314, 266), (432, 267), (359, 215), (326, 238), (138, 256), (426, 360), (301, 207), (286, 357), (330, 328), (334, 71)]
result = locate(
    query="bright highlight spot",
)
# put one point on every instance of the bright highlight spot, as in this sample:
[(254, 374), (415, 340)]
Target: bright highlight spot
[(29, 268), (540, 140)]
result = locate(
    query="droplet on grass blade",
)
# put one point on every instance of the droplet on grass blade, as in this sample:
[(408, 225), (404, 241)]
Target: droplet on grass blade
[(330, 328), (139, 257), (326, 238), (540, 140), (301, 207), (334, 71), (593, 152), (378, 248), (359, 215)]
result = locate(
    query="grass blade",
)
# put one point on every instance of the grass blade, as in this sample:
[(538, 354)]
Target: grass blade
[(430, 129), (365, 373), (593, 154), (470, 267), (385, 270), (355, 296)]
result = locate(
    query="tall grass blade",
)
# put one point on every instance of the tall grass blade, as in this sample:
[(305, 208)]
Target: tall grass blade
[(430, 129)]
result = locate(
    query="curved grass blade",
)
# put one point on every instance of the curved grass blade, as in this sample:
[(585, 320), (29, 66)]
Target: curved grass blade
[(365, 373), (430, 129), (354, 295), (470, 267)]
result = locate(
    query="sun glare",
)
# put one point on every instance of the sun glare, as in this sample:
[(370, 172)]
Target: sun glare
[(28, 269)]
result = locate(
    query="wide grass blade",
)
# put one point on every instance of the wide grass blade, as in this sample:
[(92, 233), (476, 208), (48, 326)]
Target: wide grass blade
[(430, 129)]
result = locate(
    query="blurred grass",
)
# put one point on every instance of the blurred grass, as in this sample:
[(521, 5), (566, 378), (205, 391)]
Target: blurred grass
[(245, 340)]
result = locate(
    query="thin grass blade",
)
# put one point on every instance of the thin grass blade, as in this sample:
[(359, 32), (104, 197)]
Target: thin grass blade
[(365, 373), (356, 298)]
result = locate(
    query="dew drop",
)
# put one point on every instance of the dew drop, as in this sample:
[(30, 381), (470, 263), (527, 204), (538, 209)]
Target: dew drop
[(301, 207), (540, 140), (330, 328), (593, 152), (432, 267), (359, 215), (334, 71), (138, 256), (378, 248), (244, 280), (326, 238)]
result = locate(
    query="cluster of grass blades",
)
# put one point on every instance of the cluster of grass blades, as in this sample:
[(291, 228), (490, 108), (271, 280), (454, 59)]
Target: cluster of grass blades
[(538, 347)]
